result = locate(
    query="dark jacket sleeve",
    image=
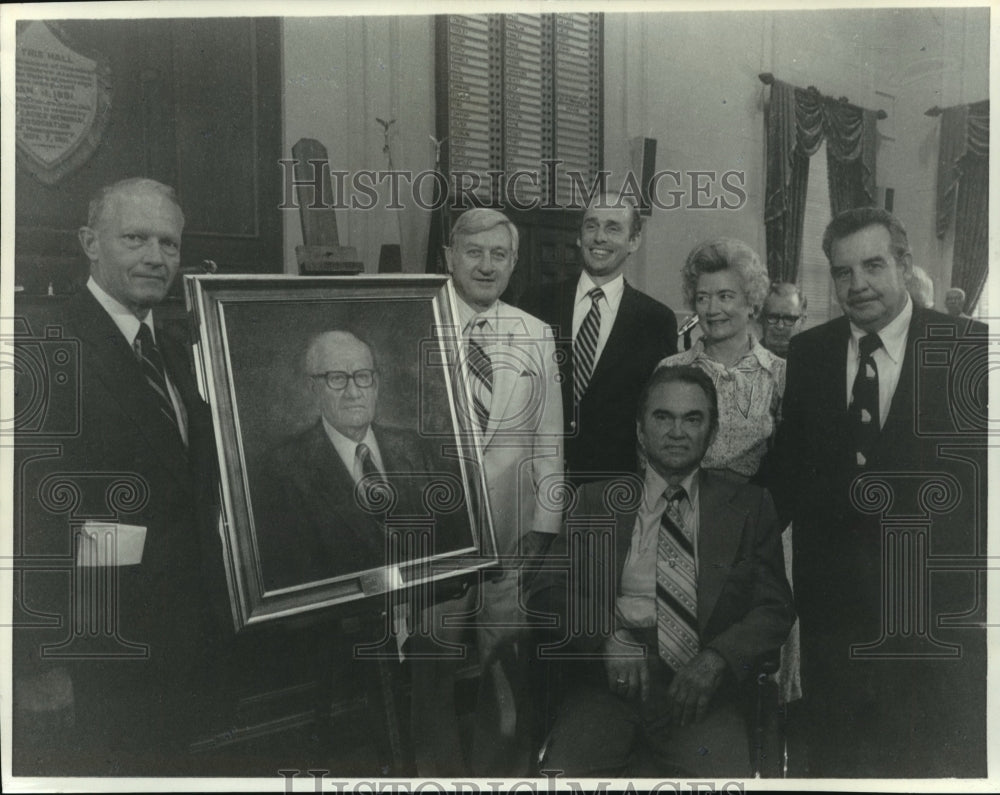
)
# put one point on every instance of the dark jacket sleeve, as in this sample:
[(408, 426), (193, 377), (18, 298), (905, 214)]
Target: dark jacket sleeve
[(765, 601)]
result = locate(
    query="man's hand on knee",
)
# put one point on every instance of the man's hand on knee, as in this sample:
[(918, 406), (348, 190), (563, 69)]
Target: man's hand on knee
[(625, 666), (693, 687)]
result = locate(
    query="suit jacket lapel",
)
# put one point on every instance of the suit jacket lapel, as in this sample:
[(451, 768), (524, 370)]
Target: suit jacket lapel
[(830, 394), (899, 421), (719, 531), (564, 342), (504, 378), (330, 480), (115, 364), (621, 337)]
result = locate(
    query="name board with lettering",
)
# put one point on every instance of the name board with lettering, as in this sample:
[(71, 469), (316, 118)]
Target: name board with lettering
[(520, 105), (63, 99)]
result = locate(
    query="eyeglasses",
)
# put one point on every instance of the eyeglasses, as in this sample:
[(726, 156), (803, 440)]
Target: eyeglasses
[(782, 320), (337, 379)]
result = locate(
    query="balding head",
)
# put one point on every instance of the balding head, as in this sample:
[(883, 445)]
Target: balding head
[(133, 242), (339, 356), (954, 301)]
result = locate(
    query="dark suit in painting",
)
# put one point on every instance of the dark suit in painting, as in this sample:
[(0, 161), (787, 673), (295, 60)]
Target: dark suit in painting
[(140, 699), (894, 678), (309, 522), (600, 433)]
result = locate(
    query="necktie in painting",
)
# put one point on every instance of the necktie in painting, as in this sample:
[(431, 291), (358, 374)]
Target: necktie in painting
[(676, 587), (371, 480), (585, 345), (864, 409)]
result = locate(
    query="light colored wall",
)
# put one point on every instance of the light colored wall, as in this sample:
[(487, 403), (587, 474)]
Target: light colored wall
[(689, 80), (340, 74)]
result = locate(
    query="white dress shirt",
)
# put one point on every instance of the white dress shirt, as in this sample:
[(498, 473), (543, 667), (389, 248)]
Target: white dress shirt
[(636, 603), (347, 449), (129, 324), (608, 306), (888, 358)]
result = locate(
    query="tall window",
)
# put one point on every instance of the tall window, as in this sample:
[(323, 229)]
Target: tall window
[(814, 270)]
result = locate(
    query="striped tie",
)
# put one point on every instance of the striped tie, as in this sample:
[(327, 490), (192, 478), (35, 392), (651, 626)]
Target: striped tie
[(482, 374), (152, 368), (371, 481), (864, 410), (676, 588), (585, 345)]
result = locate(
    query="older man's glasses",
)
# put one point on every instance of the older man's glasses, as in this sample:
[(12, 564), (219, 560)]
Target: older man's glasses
[(338, 379), (782, 320)]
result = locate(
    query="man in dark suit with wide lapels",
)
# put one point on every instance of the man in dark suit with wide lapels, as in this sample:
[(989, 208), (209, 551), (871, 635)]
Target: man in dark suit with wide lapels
[(691, 588), (131, 665), (611, 336), (325, 493), (880, 462)]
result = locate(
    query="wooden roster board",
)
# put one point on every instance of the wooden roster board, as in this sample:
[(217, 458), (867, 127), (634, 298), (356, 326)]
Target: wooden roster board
[(514, 91)]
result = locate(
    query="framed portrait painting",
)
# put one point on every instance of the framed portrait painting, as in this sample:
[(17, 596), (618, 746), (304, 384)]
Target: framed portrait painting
[(349, 465)]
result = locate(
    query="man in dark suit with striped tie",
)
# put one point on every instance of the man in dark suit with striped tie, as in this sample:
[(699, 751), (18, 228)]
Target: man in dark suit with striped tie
[(134, 679), (692, 587), (611, 337)]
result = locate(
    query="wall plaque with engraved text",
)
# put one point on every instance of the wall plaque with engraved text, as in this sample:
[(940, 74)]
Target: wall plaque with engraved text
[(63, 98)]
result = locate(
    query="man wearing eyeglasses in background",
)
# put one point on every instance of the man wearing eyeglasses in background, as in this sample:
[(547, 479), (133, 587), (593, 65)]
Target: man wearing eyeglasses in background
[(783, 317), (319, 513)]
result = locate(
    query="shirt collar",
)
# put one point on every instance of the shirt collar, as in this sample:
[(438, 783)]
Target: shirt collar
[(767, 359), (122, 316), (656, 487), (893, 336), (613, 289), (347, 448), (466, 314), (764, 357)]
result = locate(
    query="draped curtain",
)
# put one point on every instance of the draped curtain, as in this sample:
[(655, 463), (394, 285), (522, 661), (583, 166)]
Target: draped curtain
[(798, 121), (963, 192)]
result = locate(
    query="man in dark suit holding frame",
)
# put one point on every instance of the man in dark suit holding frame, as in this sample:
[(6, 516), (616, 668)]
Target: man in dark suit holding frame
[(611, 336), (134, 679)]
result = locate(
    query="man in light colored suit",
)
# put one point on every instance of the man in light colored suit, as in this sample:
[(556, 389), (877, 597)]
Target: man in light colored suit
[(508, 362)]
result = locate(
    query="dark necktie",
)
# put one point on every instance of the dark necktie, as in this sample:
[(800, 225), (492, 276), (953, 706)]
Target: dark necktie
[(864, 409), (372, 483), (585, 345), (676, 587), (154, 372), (482, 374)]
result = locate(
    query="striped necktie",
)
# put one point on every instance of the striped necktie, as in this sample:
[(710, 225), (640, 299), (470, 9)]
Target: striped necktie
[(585, 345), (154, 372), (481, 369), (676, 587), (371, 483), (864, 410)]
